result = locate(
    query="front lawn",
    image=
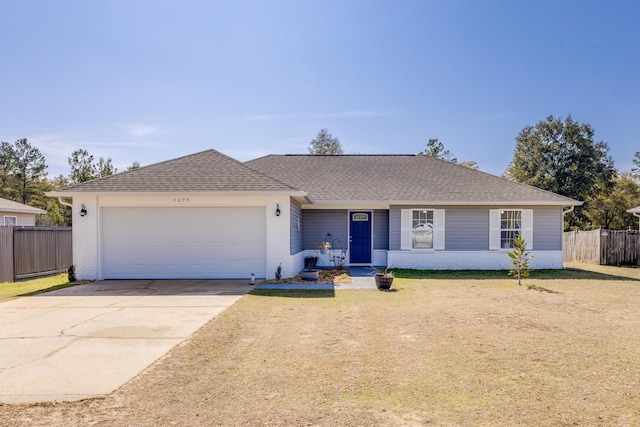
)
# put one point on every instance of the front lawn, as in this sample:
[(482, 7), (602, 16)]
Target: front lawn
[(449, 349), (33, 286)]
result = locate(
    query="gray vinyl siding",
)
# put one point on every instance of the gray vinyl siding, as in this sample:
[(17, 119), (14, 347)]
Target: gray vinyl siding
[(381, 229), (548, 225), (295, 227), (467, 229), (316, 223)]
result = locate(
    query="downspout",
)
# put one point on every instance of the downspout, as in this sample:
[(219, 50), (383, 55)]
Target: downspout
[(63, 203)]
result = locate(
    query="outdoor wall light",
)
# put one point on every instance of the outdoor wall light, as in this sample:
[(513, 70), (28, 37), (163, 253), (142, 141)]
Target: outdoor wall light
[(277, 210), (83, 210)]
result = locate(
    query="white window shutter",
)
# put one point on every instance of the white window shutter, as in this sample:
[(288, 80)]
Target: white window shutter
[(438, 229), (527, 227), (494, 229), (406, 222)]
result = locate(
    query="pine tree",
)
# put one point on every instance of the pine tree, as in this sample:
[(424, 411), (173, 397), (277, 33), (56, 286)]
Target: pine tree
[(520, 259)]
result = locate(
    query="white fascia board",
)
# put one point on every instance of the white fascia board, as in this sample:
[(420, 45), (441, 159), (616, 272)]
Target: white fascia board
[(387, 203), (71, 194), (346, 205), (27, 211), (634, 210)]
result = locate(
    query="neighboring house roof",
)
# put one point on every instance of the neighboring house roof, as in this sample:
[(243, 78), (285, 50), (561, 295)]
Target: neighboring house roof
[(634, 210), (15, 207), (208, 171), (400, 179)]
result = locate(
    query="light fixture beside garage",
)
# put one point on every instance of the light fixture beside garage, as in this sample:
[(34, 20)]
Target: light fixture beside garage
[(277, 209), (83, 210)]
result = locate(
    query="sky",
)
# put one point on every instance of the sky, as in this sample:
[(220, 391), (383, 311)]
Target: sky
[(150, 81)]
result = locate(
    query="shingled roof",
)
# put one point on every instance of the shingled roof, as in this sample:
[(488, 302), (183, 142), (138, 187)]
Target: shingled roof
[(207, 171), (400, 179), (324, 179)]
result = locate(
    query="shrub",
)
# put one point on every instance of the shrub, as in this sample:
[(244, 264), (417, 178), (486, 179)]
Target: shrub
[(520, 259)]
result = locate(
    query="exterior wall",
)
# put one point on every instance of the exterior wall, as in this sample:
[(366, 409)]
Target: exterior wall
[(380, 229), (379, 258), (472, 260), (316, 223), (296, 227), (278, 228), (467, 228), (394, 228), (22, 219), (87, 240), (548, 229)]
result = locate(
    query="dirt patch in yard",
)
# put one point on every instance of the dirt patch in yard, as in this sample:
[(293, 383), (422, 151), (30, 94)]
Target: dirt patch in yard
[(326, 276), (438, 351)]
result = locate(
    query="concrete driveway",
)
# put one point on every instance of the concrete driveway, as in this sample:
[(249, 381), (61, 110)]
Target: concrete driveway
[(88, 340)]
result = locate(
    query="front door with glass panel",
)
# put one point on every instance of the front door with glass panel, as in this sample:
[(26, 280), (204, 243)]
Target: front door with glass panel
[(359, 237)]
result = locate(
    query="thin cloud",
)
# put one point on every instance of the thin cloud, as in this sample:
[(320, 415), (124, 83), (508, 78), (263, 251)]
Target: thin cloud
[(278, 117), (354, 114), (140, 130)]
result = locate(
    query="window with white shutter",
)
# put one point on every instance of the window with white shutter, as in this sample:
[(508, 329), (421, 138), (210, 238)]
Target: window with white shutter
[(422, 229)]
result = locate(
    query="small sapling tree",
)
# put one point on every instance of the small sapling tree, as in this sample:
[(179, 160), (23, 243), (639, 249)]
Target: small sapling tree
[(520, 259)]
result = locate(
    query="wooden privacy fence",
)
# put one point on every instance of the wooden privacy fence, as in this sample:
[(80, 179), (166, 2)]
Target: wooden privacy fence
[(34, 251), (604, 247)]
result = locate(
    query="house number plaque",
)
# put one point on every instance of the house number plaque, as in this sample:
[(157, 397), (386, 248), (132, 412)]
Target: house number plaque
[(180, 200)]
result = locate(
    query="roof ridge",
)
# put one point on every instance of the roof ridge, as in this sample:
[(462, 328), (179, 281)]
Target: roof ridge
[(128, 171), (333, 155), (254, 170)]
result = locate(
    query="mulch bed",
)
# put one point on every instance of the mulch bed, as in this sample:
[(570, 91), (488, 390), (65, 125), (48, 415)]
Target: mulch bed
[(336, 276)]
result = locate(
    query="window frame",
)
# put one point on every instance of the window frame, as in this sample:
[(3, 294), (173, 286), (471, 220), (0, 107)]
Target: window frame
[(426, 223), (516, 231), (406, 229), (495, 227), (15, 220)]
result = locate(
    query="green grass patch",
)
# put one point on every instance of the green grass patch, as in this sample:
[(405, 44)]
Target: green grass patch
[(33, 286), (566, 273)]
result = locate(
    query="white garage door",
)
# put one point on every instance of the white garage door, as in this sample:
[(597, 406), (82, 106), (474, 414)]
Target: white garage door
[(183, 243)]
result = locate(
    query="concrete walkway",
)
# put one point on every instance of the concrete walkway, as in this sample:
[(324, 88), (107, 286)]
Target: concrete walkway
[(88, 340)]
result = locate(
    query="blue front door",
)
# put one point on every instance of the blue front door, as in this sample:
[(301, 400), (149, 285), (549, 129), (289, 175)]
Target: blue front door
[(360, 237)]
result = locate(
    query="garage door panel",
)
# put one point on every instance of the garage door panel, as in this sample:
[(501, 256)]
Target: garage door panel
[(183, 242)]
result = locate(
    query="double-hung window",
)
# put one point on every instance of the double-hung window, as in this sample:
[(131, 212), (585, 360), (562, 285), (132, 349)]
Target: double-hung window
[(422, 229), (510, 227), (506, 224)]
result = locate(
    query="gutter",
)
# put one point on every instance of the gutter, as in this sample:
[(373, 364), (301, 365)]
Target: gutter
[(63, 203)]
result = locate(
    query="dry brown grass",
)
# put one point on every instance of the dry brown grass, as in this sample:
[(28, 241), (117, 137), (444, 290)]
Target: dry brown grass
[(435, 352)]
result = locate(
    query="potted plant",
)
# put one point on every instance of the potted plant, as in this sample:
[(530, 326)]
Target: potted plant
[(310, 262), (384, 279), (310, 274)]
